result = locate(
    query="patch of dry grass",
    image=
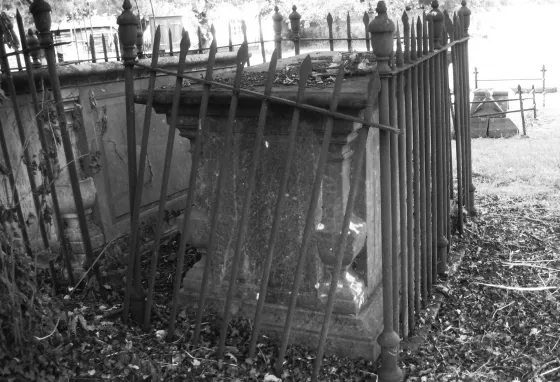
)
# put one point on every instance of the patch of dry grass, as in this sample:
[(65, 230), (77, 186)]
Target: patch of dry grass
[(519, 167)]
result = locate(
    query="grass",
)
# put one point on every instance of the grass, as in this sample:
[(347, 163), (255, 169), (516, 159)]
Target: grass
[(519, 167)]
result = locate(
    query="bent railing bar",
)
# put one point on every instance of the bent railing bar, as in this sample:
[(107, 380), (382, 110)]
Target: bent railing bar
[(140, 181), (360, 154), (247, 203), (310, 218), (46, 43), (192, 178), (305, 71), (184, 48), (27, 160), (240, 62), (44, 146), (276, 99), (139, 186), (183, 52), (15, 192), (275, 222)]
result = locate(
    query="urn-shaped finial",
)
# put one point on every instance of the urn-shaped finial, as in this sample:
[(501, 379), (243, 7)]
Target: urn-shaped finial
[(41, 11), (381, 29), (465, 15), (437, 19), (128, 30), (295, 18), (277, 21)]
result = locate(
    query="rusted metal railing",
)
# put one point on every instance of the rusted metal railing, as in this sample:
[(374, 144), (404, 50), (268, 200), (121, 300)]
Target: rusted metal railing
[(417, 180)]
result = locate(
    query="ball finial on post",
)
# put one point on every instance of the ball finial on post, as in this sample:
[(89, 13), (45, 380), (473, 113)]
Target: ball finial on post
[(41, 11), (437, 19), (465, 15), (128, 25), (381, 29)]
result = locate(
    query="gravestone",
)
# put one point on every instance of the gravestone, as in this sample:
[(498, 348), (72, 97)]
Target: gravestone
[(499, 124)]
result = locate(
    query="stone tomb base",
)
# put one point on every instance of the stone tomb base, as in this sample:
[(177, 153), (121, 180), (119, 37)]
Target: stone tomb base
[(357, 314), (353, 336)]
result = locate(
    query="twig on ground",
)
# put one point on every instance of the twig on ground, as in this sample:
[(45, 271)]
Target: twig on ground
[(521, 289), (503, 307), (48, 335)]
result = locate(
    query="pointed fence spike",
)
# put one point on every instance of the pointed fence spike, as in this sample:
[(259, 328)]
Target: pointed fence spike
[(365, 19), (185, 41), (419, 38), (413, 49), (399, 54), (305, 71), (406, 35), (329, 25)]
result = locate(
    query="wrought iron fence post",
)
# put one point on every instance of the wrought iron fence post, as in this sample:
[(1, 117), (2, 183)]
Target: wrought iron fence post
[(543, 70), (521, 109), (534, 102), (41, 12), (277, 25), (475, 78), (381, 29), (295, 18), (128, 26)]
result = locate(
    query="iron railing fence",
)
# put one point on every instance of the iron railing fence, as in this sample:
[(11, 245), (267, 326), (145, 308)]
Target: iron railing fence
[(416, 173)]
